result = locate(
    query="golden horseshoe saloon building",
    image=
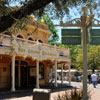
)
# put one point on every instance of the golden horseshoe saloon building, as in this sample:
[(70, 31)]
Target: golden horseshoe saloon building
[(26, 60)]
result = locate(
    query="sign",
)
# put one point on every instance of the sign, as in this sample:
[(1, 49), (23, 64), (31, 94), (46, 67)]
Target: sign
[(73, 36), (39, 52)]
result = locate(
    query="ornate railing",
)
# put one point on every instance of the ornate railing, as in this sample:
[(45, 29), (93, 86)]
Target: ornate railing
[(7, 41), (77, 23)]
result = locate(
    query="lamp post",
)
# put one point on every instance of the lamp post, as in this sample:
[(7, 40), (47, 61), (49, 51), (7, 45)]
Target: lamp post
[(84, 45), (85, 23)]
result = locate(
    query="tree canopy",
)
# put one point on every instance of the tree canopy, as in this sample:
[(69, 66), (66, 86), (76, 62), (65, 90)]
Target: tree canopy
[(93, 57), (9, 16), (76, 56), (54, 36)]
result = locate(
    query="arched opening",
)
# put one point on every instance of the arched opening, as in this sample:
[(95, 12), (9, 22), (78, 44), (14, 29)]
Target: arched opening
[(6, 33), (40, 41), (19, 36), (30, 39)]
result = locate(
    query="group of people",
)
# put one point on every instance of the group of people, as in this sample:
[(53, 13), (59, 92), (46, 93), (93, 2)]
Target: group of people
[(93, 79)]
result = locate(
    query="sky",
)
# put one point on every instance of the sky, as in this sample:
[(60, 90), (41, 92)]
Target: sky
[(74, 12)]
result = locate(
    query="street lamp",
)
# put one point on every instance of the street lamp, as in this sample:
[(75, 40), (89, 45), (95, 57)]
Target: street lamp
[(85, 23), (84, 45)]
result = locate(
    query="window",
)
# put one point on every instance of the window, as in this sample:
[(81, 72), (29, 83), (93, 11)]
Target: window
[(24, 63), (40, 41), (4, 69), (19, 36), (16, 62), (30, 39)]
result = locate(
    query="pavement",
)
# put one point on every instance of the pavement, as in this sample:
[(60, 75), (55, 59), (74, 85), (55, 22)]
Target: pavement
[(27, 95)]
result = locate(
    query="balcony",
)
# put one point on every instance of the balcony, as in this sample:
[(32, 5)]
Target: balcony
[(7, 41)]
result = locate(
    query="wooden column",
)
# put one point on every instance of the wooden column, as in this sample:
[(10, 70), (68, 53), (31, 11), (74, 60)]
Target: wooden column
[(19, 75), (13, 73), (61, 73), (69, 76), (37, 74), (84, 45), (56, 73)]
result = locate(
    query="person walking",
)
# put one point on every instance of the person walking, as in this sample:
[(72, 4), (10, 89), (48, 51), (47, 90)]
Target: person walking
[(94, 79)]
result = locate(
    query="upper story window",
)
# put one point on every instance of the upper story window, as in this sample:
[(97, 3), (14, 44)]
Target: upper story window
[(30, 39), (40, 41), (6, 33), (19, 36)]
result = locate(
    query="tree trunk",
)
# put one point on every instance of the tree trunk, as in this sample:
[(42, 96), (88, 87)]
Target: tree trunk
[(8, 20)]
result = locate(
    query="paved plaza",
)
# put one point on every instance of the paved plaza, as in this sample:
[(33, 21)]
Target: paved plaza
[(27, 95)]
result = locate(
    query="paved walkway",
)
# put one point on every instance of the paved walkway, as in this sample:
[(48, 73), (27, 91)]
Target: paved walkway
[(95, 93)]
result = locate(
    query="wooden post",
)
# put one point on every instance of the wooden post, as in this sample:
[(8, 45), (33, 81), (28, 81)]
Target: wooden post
[(84, 45), (37, 74), (19, 75), (56, 73), (61, 73), (13, 73), (69, 76)]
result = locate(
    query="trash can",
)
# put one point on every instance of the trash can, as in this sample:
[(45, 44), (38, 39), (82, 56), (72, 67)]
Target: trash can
[(41, 94)]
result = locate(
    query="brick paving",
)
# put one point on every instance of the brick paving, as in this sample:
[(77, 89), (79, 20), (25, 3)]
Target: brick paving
[(95, 93)]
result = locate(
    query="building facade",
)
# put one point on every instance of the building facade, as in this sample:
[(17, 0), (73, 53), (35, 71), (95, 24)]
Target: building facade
[(26, 58)]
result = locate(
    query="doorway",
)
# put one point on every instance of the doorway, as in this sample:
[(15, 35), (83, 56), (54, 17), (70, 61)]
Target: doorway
[(24, 76), (21, 68)]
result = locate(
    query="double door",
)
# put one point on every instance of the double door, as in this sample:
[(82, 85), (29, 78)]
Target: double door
[(26, 80)]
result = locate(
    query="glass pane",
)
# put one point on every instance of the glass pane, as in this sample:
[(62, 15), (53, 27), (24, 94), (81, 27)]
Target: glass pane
[(24, 63), (16, 62)]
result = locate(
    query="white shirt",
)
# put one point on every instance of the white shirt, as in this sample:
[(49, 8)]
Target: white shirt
[(94, 77)]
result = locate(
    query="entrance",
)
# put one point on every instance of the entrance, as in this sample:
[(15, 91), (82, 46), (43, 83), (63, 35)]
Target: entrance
[(27, 76), (24, 76)]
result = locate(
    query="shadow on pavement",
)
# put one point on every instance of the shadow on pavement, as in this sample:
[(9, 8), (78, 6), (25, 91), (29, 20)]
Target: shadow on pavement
[(28, 92), (16, 94)]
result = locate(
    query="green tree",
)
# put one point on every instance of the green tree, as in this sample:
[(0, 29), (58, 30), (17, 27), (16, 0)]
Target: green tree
[(74, 52), (76, 56), (93, 57), (54, 36), (27, 7)]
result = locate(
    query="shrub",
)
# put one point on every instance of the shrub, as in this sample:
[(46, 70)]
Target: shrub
[(74, 94)]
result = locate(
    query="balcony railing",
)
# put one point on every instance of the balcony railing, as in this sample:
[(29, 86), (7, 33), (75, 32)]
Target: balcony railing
[(7, 41)]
